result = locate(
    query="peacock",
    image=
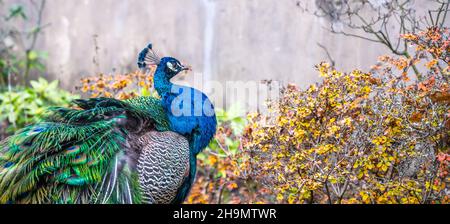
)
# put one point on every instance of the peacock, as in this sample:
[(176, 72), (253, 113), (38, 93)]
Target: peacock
[(104, 150)]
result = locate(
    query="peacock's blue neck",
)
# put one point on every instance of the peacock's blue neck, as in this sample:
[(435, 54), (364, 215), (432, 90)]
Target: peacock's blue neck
[(162, 82)]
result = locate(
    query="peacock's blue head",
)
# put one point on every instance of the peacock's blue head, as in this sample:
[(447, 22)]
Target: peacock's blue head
[(167, 65), (171, 66)]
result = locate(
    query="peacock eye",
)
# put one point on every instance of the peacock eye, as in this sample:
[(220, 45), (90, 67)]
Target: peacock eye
[(170, 66)]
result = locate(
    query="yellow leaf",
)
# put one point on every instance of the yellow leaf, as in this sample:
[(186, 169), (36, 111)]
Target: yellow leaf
[(280, 197)]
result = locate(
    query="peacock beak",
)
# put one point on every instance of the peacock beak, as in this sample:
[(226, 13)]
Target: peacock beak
[(186, 68)]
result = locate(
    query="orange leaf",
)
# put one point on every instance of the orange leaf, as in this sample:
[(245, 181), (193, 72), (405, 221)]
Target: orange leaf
[(440, 97), (416, 117), (422, 87)]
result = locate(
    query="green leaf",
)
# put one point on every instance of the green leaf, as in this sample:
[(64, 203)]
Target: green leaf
[(201, 156), (145, 92), (34, 31), (213, 146), (12, 118), (34, 84), (16, 11), (53, 85), (32, 55)]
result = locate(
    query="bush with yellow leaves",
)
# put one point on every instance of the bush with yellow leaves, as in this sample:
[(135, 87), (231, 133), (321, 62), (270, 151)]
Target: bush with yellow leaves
[(119, 86), (216, 180), (376, 137)]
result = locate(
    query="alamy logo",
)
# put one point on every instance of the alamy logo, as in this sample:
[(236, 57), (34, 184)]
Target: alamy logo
[(185, 105)]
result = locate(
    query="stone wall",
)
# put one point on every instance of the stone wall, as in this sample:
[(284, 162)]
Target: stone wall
[(226, 40)]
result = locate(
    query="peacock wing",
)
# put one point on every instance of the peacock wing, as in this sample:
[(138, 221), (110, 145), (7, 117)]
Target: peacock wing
[(80, 155)]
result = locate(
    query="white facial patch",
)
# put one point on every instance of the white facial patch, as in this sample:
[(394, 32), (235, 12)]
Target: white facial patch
[(170, 66)]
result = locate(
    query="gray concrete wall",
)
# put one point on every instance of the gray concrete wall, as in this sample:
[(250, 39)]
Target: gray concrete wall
[(224, 39)]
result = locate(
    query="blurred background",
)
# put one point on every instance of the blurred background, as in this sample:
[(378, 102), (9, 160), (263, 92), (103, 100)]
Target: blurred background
[(224, 40)]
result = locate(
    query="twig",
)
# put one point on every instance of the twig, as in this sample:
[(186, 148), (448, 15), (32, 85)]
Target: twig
[(328, 54), (219, 200), (34, 34)]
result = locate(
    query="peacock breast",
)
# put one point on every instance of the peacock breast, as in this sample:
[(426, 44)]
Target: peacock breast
[(162, 166)]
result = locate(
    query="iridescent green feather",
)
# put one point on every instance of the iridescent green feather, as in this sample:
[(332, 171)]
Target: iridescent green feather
[(66, 158)]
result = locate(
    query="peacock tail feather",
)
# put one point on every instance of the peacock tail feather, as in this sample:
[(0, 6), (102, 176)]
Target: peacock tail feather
[(73, 155)]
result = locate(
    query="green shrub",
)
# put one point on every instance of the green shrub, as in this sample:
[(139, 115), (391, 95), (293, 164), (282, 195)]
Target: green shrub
[(22, 106)]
